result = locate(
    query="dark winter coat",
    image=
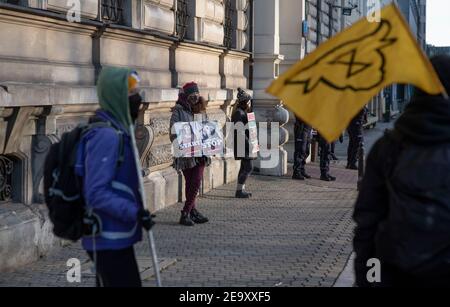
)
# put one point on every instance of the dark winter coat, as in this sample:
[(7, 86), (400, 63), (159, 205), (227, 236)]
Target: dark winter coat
[(182, 112), (403, 209)]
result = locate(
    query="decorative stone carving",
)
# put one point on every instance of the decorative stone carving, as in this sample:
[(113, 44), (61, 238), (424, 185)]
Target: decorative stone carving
[(144, 136), (242, 23), (281, 116), (160, 155), (40, 148), (160, 125), (18, 123), (144, 140)]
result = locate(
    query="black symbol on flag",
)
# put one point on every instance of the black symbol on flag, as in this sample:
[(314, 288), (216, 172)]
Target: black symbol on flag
[(357, 65)]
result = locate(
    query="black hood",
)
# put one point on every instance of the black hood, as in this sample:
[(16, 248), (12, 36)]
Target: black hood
[(426, 119)]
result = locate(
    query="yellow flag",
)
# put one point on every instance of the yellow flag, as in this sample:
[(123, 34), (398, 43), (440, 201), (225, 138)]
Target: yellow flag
[(331, 85)]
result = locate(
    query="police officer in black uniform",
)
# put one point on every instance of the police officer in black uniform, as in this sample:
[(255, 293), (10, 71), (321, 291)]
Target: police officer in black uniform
[(356, 138), (302, 135)]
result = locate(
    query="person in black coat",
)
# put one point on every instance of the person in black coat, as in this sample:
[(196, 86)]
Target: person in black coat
[(242, 141), (402, 213)]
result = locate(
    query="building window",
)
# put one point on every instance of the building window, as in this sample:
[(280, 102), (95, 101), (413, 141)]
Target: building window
[(229, 24), (182, 17), (6, 172), (16, 2), (112, 11)]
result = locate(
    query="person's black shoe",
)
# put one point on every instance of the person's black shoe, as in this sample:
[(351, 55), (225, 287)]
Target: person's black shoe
[(198, 218), (352, 167), (297, 176), (333, 157), (186, 219), (327, 177), (304, 174), (242, 194)]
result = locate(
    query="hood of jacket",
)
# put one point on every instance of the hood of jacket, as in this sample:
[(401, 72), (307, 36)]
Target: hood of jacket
[(112, 91), (426, 119)]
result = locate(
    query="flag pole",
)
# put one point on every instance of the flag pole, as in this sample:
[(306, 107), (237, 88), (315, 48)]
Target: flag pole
[(151, 240)]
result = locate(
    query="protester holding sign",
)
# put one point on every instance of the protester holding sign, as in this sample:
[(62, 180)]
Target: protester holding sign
[(187, 106), (242, 150)]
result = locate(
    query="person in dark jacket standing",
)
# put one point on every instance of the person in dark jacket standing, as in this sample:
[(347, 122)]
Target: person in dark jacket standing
[(189, 108), (356, 139), (303, 136), (112, 192), (242, 153), (402, 213)]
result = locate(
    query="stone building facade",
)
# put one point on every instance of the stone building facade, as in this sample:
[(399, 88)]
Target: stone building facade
[(48, 71), (435, 50)]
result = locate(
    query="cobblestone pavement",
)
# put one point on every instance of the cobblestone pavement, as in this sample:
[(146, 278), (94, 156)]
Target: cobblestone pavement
[(289, 234)]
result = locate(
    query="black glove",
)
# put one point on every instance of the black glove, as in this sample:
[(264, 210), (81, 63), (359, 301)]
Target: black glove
[(341, 139), (145, 219)]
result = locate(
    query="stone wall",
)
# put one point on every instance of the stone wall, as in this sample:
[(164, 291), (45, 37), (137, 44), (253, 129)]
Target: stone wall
[(48, 68)]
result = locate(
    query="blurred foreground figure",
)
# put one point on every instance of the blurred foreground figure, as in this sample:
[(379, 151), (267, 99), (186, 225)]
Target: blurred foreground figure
[(106, 164), (403, 209)]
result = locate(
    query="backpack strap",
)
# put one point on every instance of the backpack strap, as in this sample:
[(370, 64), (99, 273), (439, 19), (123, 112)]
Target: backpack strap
[(121, 158)]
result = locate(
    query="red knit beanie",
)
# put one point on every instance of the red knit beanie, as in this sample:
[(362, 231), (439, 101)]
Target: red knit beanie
[(190, 88)]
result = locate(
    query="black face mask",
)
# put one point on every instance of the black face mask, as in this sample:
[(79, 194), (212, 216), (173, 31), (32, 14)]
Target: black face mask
[(135, 102)]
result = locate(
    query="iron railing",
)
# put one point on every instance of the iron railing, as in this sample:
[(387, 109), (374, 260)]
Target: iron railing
[(112, 11), (228, 25), (182, 18), (6, 170)]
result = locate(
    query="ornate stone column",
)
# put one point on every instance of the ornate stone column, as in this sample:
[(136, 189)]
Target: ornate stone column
[(267, 59), (292, 46)]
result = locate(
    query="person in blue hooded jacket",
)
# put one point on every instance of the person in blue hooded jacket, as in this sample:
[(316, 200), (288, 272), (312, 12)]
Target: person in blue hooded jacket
[(110, 186)]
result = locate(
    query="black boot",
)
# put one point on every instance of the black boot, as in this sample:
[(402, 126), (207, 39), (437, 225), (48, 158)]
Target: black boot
[(304, 174), (242, 194), (333, 157), (352, 167), (198, 218), (327, 177), (298, 176), (186, 219)]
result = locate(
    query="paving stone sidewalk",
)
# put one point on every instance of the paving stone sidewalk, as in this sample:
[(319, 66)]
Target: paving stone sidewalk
[(289, 234)]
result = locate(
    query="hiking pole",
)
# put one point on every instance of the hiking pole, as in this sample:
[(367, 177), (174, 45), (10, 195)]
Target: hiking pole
[(151, 240)]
